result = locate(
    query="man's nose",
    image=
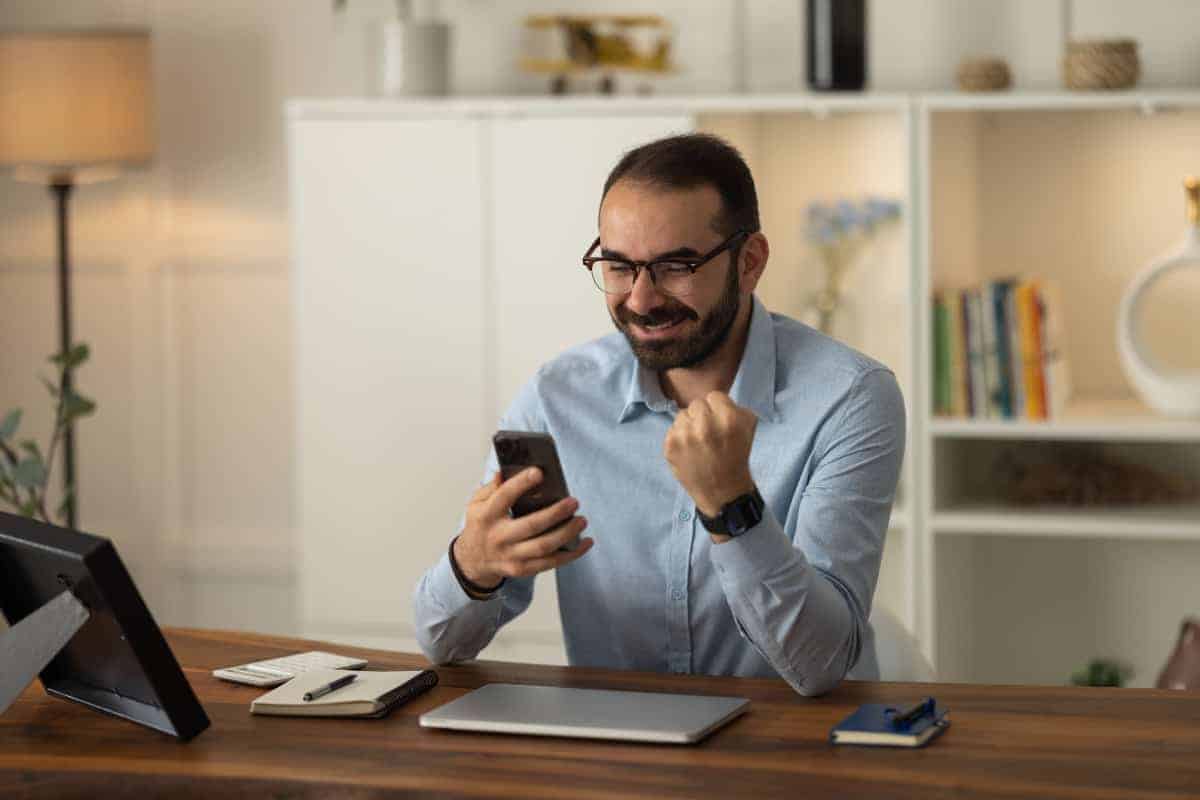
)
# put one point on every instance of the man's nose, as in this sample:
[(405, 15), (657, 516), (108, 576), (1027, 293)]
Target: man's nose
[(644, 297)]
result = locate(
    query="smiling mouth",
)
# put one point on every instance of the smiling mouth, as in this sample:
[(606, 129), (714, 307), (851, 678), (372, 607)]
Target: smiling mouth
[(659, 328)]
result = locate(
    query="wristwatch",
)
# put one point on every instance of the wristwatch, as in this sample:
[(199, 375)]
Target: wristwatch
[(737, 517)]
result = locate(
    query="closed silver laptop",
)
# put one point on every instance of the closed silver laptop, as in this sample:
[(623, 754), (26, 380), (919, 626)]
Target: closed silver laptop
[(586, 713)]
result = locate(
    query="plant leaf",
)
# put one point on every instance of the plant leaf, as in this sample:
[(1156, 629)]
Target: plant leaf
[(50, 386), (30, 473), (73, 358), (31, 447), (29, 509), (9, 426), (77, 406)]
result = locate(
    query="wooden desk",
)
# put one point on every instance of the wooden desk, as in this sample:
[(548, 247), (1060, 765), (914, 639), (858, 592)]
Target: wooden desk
[(1004, 742)]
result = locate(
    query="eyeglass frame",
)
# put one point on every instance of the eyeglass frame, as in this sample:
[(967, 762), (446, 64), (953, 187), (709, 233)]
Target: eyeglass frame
[(693, 263)]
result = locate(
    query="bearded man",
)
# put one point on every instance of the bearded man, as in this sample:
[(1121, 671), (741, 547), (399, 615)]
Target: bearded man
[(735, 469)]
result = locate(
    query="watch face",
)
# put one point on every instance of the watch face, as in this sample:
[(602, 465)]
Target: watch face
[(744, 513)]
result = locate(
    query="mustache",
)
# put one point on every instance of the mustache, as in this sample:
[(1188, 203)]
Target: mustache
[(657, 317)]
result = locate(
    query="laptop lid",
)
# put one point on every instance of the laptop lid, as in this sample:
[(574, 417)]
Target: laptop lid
[(586, 713)]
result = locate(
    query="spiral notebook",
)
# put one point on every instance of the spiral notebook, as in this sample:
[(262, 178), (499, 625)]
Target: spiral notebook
[(372, 694)]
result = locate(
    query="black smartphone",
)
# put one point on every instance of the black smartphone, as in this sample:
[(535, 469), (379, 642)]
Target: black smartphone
[(519, 450)]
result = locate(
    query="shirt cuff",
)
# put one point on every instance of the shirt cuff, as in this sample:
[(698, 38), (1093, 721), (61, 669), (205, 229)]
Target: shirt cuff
[(449, 593), (756, 553)]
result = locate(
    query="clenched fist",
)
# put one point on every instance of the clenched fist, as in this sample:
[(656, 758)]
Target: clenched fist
[(708, 449)]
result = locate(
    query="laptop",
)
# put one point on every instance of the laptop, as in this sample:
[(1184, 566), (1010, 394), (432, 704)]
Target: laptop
[(586, 713)]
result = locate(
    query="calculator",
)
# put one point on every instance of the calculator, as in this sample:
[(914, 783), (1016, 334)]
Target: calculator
[(275, 671)]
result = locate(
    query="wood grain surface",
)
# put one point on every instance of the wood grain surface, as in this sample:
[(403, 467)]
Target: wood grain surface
[(1004, 742)]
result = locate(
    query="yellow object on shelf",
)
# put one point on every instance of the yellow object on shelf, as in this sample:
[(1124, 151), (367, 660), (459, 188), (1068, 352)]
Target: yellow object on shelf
[(570, 44)]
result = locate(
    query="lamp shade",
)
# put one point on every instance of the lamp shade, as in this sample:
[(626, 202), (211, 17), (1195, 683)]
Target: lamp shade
[(72, 99)]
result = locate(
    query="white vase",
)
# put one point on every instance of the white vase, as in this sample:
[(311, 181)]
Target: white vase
[(412, 58), (1172, 392)]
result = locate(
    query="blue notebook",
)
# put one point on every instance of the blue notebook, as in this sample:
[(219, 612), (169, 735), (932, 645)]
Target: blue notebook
[(874, 724)]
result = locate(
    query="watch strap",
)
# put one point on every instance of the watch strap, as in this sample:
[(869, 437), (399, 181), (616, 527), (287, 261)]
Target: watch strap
[(474, 590), (737, 516)]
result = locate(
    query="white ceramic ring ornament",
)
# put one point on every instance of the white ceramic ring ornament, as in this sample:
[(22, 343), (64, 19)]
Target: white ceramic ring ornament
[(1172, 392)]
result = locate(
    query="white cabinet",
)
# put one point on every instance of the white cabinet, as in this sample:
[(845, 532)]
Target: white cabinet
[(388, 231), (436, 267)]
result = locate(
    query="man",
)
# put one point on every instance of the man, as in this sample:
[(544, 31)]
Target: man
[(737, 468)]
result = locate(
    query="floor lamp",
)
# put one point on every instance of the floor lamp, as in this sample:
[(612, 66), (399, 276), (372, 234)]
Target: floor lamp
[(74, 109)]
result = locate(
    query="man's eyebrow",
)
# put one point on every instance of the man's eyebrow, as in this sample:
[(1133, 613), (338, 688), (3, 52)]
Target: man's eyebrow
[(678, 252)]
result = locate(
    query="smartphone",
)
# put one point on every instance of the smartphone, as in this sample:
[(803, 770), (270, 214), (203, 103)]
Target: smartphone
[(519, 450)]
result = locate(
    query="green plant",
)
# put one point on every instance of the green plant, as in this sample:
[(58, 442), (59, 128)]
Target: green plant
[(24, 471), (1101, 672)]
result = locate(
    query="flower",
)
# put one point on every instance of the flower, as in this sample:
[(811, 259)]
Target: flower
[(837, 231)]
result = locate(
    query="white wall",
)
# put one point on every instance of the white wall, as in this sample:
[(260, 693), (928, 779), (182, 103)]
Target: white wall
[(183, 269)]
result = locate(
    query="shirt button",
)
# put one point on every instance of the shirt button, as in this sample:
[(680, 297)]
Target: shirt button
[(685, 515), (677, 595)]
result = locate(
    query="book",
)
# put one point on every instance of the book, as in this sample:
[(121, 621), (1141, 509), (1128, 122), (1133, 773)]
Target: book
[(975, 353), (1031, 349), (991, 357), (941, 355), (872, 724), (371, 694), (959, 401), (998, 296), (1017, 369), (1056, 372)]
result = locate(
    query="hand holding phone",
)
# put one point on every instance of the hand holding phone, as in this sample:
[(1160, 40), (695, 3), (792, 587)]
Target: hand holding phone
[(517, 451), (523, 522)]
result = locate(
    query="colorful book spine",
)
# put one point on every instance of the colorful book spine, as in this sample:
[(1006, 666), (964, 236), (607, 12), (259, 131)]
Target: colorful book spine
[(976, 373), (991, 366), (959, 400), (999, 313), (1031, 350), (941, 356), (1056, 373), (1016, 366)]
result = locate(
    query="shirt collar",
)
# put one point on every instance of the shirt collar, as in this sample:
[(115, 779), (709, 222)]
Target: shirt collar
[(753, 386)]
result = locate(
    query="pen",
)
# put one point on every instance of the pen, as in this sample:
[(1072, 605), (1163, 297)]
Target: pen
[(919, 710), (336, 683)]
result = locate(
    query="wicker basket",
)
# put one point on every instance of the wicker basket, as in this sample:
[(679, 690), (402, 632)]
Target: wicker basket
[(983, 75), (1101, 64)]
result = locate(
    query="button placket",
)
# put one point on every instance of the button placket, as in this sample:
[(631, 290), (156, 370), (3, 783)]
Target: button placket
[(679, 655)]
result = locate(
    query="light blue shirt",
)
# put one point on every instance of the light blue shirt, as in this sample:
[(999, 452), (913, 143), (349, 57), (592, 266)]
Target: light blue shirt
[(790, 597)]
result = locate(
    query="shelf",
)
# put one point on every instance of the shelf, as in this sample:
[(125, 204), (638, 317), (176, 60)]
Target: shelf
[(1144, 101), (1174, 523), (574, 105), (1097, 419)]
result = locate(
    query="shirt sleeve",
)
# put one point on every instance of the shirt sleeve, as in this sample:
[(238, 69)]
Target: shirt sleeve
[(450, 624), (800, 591)]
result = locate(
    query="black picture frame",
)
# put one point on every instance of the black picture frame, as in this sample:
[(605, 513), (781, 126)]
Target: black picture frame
[(118, 662)]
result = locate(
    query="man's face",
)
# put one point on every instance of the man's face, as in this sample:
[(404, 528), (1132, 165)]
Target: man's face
[(642, 223)]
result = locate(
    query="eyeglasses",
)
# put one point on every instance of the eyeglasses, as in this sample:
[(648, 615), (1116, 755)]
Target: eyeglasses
[(675, 276)]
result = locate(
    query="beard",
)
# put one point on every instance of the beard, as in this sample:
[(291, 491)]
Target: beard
[(685, 351)]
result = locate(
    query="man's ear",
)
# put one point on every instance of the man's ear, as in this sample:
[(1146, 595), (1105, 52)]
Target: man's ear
[(753, 260)]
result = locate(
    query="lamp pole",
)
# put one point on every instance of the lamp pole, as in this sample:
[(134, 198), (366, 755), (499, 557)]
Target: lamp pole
[(61, 187)]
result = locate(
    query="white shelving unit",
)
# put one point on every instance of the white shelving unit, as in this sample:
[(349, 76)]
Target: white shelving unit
[(991, 185), (1085, 189)]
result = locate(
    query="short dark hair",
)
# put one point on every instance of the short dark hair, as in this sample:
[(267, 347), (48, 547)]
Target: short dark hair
[(690, 160)]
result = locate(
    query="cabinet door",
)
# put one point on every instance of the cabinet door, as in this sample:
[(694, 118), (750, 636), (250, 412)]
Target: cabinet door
[(387, 251), (546, 181), (547, 176)]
